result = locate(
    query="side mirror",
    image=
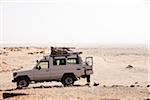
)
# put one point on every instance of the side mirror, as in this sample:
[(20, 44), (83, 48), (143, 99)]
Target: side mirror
[(39, 67), (37, 61), (36, 67)]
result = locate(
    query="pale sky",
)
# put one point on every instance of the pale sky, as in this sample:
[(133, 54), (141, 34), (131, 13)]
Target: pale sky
[(74, 21)]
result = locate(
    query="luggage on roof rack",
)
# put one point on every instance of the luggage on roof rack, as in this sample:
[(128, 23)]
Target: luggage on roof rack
[(63, 51)]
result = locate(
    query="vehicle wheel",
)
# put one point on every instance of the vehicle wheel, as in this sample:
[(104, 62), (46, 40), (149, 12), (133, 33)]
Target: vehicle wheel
[(23, 83), (68, 80)]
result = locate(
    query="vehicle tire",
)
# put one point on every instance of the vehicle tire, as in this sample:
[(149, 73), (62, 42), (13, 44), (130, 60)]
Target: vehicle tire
[(68, 80), (24, 82)]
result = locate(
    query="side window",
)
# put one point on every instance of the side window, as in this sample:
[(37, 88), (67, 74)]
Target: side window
[(72, 61), (43, 65), (59, 62)]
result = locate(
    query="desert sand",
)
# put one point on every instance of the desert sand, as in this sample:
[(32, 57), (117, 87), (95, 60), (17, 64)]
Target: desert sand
[(121, 71)]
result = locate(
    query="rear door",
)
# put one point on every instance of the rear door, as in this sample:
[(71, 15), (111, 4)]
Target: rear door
[(57, 69), (89, 65), (74, 66), (89, 61)]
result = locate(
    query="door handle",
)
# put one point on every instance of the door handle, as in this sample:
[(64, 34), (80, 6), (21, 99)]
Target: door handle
[(78, 69)]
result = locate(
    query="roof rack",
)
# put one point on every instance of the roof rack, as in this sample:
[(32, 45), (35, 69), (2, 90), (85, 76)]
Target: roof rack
[(65, 47), (63, 51), (69, 54)]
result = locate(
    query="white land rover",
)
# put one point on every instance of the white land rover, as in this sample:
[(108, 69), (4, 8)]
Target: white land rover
[(65, 67)]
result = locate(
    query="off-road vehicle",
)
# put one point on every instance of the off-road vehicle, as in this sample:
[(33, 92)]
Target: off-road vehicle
[(62, 65)]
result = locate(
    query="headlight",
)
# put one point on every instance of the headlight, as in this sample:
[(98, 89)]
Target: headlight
[(14, 74)]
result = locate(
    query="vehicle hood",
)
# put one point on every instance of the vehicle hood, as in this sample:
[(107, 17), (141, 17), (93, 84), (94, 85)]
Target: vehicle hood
[(28, 69)]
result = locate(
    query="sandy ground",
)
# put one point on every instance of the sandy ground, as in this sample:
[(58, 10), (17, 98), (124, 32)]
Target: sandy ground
[(110, 72)]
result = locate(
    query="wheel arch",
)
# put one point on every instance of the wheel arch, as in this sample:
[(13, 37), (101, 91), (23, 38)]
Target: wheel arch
[(23, 77), (69, 74)]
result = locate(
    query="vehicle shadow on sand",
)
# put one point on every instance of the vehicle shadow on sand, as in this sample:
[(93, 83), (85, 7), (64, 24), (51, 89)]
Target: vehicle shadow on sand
[(42, 86), (7, 93)]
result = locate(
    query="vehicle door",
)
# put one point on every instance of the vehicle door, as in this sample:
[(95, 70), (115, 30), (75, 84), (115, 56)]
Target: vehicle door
[(74, 66), (89, 65), (58, 68), (41, 71)]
